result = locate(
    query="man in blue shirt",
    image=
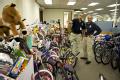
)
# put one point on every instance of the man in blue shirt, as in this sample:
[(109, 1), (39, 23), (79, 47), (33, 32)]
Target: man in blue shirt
[(77, 26), (92, 29)]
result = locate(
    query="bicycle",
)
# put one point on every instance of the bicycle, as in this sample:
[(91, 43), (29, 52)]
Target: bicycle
[(66, 50), (43, 56), (102, 50), (67, 70), (58, 63), (42, 74), (62, 67), (115, 60), (51, 56), (98, 50), (106, 55), (70, 57), (43, 70)]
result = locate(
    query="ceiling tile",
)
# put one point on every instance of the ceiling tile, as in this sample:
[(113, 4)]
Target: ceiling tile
[(80, 4)]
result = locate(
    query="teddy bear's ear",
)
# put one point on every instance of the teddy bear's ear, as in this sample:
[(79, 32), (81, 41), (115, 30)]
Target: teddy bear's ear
[(12, 5)]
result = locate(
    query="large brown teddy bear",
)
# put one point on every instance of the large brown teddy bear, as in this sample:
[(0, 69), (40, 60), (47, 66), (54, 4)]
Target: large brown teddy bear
[(10, 18)]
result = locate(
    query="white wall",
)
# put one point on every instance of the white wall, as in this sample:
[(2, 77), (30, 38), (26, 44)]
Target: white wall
[(29, 9), (54, 14), (3, 3)]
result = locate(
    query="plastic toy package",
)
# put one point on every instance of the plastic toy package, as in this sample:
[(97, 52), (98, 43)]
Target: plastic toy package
[(18, 67)]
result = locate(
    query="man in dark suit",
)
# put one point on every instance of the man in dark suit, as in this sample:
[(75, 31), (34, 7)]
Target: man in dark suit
[(92, 29), (76, 30)]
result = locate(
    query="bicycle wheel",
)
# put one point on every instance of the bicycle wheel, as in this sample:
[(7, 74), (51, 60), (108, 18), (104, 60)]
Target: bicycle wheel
[(106, 57), (61, 73), (52, 52), (54, 57), (43, 75), (49, 67), (71, 59), (98, 52), (94, 46), (56, 49), (114, 60)]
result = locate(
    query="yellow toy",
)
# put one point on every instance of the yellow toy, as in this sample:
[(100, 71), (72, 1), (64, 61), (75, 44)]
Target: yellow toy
[(35, 29)]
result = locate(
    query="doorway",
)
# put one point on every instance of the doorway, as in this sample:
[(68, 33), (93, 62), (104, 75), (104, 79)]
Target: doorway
[(67, 18)]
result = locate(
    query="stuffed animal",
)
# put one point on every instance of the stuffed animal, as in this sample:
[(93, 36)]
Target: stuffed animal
[(10, 18)]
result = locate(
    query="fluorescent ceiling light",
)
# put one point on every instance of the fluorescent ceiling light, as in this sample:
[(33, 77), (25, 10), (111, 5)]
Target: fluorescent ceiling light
[(83, 8), (77, 11), (48, 1), (113, 10), (71, 2), (93, 4), (90, 11), (113, 5), (99, 9)]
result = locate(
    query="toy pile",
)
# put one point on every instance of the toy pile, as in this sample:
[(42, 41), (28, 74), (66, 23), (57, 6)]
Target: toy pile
[(14, 51), (51, 57)]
